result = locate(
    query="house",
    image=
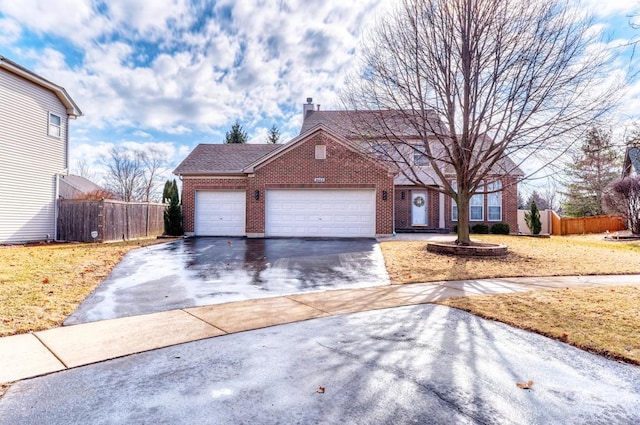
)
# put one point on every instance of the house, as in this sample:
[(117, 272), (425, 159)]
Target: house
[(323, 183), (77, 187), (34, 141), (631, 164)]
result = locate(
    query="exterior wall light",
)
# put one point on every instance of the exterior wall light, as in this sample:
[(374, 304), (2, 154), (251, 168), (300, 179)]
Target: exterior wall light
[(256, 195), (384, 195)]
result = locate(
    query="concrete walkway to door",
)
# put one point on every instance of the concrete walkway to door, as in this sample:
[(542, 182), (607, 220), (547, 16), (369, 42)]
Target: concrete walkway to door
[(40, 353)]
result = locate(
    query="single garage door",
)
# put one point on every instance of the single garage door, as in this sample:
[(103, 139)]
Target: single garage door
[(321, 213), (220, 213)]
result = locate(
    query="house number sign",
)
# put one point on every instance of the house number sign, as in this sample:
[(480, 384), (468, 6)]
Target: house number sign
[(319, 180)]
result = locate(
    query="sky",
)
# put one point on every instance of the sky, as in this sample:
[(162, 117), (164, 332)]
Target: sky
[(171, 74)]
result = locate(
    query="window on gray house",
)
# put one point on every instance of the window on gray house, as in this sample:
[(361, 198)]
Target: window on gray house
[(55, 125)]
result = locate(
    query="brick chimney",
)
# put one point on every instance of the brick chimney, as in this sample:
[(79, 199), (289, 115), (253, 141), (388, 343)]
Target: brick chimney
[(307, 108)]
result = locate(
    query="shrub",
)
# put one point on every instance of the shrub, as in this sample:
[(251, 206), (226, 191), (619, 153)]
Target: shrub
[(532, 219), (480, 228), (500, 229)]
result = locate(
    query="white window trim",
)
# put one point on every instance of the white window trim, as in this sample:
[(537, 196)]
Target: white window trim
[(56, 126), (454, 205), (493, 186)]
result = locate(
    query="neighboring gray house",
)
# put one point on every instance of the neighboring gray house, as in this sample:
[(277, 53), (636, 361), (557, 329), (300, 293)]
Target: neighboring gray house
[(76, 187), (34, 140)]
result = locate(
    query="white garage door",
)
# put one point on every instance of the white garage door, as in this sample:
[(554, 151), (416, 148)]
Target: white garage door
[(220, 213), (323, 213)]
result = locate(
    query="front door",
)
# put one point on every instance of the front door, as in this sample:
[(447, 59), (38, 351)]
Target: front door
[(419, 208)]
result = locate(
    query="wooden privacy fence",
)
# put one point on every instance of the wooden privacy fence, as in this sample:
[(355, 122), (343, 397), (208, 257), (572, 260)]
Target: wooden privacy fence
[(112, 220), (582, 225)]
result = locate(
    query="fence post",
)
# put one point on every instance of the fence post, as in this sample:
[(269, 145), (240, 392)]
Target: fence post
[(101, 220)]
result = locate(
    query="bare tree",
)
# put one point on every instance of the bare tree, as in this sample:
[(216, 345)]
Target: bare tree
[(153, 163), (82, 169), (477, 82), (134, 174), (124, 175), (623, 197)]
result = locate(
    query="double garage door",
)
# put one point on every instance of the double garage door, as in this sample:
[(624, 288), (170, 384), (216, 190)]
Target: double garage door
[(290, 212)]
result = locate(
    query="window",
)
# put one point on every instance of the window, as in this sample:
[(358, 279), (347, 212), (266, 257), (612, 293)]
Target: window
[(419, 156), (494, 201), (321, 152), (454, 206), (55, 125), (476, 206)]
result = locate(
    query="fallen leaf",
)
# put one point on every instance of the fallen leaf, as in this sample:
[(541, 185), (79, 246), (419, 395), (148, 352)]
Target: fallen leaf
[(45, 280), (525, 385), (564, 338), (320, 390)]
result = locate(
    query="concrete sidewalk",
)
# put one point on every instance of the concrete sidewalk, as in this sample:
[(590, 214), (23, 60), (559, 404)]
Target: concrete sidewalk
[(39, 353)]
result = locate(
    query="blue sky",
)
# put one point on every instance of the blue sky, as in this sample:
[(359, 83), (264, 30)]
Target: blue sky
[(174, 73)]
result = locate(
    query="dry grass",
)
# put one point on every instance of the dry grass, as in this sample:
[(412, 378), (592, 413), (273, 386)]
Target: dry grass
[(41, 285), (603, 320), (557, 256)]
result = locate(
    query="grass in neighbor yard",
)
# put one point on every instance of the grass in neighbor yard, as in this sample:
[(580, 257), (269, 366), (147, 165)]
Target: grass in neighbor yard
[(41, 285), (603, 320), (556, 256)]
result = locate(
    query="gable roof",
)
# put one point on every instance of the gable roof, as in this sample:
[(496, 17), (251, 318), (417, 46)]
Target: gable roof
[(631, 161), (355, 147), (223, 158), (72, 109)]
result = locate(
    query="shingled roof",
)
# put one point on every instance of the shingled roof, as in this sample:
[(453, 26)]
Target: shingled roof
[(223, 159), (355, 124)]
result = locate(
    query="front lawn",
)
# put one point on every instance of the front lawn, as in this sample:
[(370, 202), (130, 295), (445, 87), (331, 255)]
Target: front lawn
[(556, 256), (41, 285)]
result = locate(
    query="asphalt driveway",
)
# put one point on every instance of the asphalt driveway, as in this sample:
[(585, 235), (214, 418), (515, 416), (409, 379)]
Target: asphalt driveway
[(202, 271), (423, 364)]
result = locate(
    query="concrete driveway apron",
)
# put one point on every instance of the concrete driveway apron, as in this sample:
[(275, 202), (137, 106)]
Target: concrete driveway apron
[(203, 271)]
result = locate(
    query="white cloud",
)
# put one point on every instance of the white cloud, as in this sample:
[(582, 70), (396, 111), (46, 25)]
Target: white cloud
[(75, 20), (9, 31)]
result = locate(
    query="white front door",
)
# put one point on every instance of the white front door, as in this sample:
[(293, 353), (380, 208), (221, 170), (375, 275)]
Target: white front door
[(418, 208), (220, 213), (321, 212)]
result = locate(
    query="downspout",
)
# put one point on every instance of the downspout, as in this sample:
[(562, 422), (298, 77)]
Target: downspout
[(56, 199), (56, 205)]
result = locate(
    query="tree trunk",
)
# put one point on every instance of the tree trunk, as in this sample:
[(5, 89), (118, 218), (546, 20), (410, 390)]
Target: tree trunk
[(463, 220)]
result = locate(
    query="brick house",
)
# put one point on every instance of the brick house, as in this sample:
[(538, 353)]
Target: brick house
[(322, 183)]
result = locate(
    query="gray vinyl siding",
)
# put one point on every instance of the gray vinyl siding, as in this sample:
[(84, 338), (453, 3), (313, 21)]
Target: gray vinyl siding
[(29, 159)]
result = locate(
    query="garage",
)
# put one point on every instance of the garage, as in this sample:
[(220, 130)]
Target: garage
[(321, 212), (220, 213)]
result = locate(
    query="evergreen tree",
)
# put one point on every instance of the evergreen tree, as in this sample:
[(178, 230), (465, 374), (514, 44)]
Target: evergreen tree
[(532, 219), (236, 134), (173, 212), (274, 135), (594, 167)]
